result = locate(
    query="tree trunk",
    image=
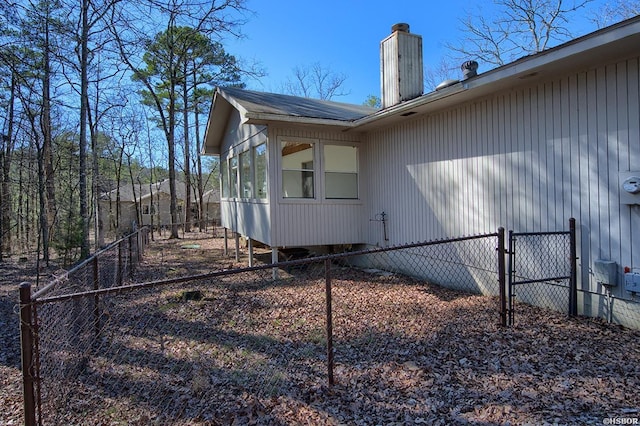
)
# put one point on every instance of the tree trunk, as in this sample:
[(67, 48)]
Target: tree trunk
[(96, 188), (136, 201), (187, 156), (42, 196), (5, 190), (48, 193), (84, 105), (172, 158), (196, 111)]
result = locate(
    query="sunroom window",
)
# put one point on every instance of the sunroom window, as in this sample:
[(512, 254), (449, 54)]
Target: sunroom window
[(245, 174), (260, 170), (340, 172), (233, 177), (224, 178), (297, 170)]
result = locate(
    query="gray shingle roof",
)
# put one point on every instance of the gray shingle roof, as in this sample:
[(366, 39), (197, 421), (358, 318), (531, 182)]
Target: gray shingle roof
[(295, 106), (142, 191)]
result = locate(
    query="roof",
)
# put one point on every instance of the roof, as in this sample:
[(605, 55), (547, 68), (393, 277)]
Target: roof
[(143, 191), (611, 43), (256, 104), (263, 108)]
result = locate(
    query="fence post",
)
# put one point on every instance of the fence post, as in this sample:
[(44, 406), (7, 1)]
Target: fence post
[(26, 346), (130, 239), (327, 275), (573, 281), (502, 280), (120, 263), (96, 298), (512, 266)]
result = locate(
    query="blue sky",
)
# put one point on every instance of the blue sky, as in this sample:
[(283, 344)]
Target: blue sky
[(344, 36)]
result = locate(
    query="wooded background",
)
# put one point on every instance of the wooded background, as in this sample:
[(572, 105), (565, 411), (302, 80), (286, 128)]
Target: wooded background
[(97, 94)]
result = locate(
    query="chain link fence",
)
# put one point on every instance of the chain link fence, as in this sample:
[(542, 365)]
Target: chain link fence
[(195, 349), (55, 344), (542, 271)]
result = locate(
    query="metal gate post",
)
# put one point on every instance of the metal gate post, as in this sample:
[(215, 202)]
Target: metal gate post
[(573, 280), (511, 271), (502, 277), (26, 343)]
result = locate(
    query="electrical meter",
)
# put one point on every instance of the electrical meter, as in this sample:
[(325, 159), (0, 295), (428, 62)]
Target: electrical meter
[(632, 185)]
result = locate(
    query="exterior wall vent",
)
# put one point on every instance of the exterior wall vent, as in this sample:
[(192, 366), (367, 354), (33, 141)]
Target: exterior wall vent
[(401, 77)]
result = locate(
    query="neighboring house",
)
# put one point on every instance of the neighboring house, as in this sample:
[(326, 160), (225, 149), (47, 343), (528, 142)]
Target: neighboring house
[(525, 146), (153, 201), (211, 206)]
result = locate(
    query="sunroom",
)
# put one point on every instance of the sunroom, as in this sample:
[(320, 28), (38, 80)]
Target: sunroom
[(290, 169)]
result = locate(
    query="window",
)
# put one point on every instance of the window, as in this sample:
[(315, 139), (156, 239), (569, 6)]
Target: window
[(233, 177), (224, 178), (148, 209), (341, 172), (297, 170), (260, 170), (245, 175)]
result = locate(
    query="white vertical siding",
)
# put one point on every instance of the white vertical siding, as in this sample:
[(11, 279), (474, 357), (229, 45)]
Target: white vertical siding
[(527, 159), (250, 218)]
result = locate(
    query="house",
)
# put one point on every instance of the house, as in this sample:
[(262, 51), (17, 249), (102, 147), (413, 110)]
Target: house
[(525, 146), (148, 204)]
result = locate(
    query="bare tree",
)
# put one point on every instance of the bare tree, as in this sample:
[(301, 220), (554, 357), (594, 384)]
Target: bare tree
[(517, 28), (7, 142), (616, 11), (315, 81), (161, 86), (444, 70)]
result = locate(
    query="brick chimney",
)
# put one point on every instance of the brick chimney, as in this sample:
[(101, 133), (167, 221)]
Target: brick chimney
[(401, 77)]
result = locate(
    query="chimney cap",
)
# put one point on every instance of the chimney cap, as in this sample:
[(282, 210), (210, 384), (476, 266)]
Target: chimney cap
[(402, 27)]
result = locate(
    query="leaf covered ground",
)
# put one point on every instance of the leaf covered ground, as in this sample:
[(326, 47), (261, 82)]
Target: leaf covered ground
[(251, 351)]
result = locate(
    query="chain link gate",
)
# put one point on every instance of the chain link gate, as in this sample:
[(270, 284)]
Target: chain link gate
[(542, 270)]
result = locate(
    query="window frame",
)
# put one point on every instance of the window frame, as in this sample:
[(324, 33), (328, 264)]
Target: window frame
[(234, 176), (325, 171), (316, 159), (245, 156), (319, 171), (225, 190), (256, 190)]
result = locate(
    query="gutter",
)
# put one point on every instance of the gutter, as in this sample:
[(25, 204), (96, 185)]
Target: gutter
[(408, 106), (264, 118), (603, 45)]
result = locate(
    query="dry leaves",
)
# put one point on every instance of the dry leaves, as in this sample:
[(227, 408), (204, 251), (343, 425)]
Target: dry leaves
[(405, 352)]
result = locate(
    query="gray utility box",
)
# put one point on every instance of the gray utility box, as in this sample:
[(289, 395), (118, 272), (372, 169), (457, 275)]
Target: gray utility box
[(606, 272), (632, 282)]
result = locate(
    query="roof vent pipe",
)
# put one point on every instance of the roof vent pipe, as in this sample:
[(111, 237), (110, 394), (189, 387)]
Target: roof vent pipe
[(469, 69), (402, 27)]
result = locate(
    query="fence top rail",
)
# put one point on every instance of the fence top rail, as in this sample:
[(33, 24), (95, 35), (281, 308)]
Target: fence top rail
[(65, 275), (291, 263), (530, 234)]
